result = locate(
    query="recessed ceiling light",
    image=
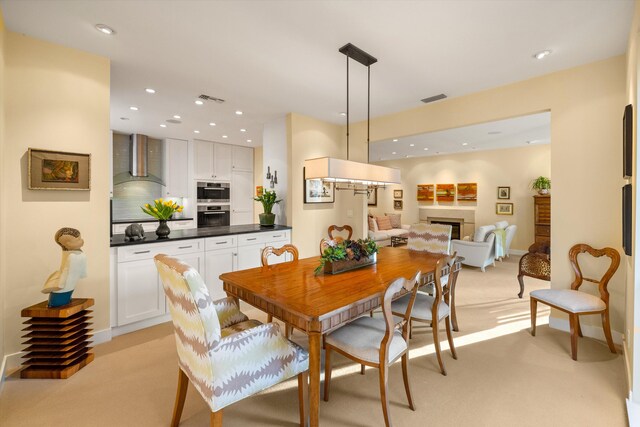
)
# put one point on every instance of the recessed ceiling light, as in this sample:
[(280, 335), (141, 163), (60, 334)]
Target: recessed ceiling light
[(426, 149), (225, 136), (133, 108), (177, 117), (393, 152), (238, 112), (408, 155), (124, 118), (541, 54), (248, 140), (149, 90), (105, 29), (212, 124), (199, 102), (395, 140), (196, 131), (243, 130), (162, 125), (464, 144), (342, 113)]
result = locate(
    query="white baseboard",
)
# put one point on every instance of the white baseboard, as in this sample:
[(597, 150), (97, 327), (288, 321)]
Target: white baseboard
[(518, 252), (10, 362), (587, 330), (633, 411), (101, 336), (140, 325)]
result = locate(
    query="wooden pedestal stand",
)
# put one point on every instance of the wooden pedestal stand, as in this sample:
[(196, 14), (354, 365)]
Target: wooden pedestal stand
[(57, 339)]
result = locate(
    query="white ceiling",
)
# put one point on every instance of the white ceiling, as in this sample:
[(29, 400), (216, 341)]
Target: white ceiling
[(268, 58), (509, 133)]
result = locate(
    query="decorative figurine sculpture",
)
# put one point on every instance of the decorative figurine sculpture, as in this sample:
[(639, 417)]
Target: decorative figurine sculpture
[(134, 232), (61, 283)]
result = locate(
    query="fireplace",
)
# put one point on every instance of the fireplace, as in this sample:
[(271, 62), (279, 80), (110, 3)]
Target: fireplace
[(455, 227)]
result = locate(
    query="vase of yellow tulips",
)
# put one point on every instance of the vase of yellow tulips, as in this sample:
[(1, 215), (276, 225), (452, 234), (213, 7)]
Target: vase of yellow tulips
[(162, 210)]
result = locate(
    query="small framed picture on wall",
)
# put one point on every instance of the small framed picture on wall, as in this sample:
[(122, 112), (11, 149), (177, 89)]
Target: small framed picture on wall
[(504, 193), (372, 197), (397, 194), (504, 208), (397, 205)]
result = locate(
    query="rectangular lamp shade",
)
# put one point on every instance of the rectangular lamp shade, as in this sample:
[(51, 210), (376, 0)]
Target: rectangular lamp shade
[(338, 170)]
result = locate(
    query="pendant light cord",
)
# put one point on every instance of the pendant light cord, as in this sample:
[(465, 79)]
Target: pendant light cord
[(368, 106), (347, 107)]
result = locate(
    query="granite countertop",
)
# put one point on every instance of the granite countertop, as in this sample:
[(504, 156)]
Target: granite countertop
[(197, 233), (140, 221)]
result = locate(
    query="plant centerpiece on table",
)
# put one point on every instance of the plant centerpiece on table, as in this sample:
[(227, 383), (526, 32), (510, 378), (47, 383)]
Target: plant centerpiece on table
[(162, 210), (347, 255), (541, 184), (268, 199)]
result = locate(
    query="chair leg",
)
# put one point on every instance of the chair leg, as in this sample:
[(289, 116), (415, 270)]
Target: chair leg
[(607, 330), (327, 372), (405, 377), (534, 314), (216, 419), (361, 369), (181, 394), (410, 328), (521, 281), (578, 326), (384, 399), (573, 320), (450, 338), (436, 343), (303, 396)]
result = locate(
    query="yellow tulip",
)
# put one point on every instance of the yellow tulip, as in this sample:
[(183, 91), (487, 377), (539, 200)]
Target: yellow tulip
[(147, 206), (155, 209), (160, 199), (179, 209), (155, 201)]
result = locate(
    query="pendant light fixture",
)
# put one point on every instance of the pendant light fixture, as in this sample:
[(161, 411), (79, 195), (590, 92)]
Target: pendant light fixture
[(360, 177)]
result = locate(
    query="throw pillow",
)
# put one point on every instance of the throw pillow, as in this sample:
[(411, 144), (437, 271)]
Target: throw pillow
[(384, 223), (373, 225), (395, 220)]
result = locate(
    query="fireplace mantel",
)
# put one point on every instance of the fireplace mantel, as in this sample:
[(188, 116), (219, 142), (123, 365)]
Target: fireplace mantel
[(466, 217)]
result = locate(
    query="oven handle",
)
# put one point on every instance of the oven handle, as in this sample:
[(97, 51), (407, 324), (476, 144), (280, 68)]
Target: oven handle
[(214, 188), (215, 213)]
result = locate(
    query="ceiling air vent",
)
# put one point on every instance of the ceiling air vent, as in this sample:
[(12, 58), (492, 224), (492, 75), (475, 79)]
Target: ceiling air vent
[(211, 98), (174, 121), (434, 98)]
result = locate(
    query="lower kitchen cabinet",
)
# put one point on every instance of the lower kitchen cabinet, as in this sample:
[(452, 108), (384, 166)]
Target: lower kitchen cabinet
[(217, 262), (140, 293)]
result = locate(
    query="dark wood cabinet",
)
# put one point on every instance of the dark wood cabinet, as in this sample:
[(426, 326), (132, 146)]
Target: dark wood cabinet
[(542, 218)]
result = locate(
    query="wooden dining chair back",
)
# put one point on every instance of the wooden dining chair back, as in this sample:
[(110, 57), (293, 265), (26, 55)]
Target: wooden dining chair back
[(433, 308), (376, 342), (216, 342), (334, 228), (282, 251), (575, 302)]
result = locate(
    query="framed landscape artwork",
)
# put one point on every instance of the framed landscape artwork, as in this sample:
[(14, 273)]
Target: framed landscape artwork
[(317, 191), (397, 205), (504, 193), (627, 142), (397, 194), (504, 208), (468, 192), (445, 192), (372, 197), (627, 211), (425, 192), (58, 170)]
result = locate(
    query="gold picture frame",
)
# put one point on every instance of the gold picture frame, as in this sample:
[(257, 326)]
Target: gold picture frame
[(504, 208), (58, 170)]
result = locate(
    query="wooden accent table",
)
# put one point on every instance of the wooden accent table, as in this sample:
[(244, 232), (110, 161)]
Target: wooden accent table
[(57, 339), (319, 304)]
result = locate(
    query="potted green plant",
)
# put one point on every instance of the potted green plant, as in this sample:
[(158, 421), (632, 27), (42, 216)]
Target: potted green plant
[(541, 184), (347, 255), (268, 199)]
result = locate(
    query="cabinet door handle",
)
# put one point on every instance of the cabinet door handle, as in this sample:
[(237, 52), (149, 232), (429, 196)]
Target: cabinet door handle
[(276, 235), (141, 252), (235, 254), (254, 238), (221, 243), (185, 247)]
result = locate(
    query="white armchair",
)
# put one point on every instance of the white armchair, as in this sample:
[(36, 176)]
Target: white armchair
[(510, 232), (480, 252)]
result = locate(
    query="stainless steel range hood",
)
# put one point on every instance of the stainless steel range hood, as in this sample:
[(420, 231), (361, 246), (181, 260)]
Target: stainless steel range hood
[(138, 162)]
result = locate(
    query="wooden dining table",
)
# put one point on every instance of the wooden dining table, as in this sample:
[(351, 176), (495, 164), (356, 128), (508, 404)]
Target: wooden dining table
[(317, 304)]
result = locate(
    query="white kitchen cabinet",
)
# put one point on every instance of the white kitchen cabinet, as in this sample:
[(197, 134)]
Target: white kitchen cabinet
[(242, 158), (221, 162), (140, 293), (249, 256), (241, 197), (176, 167), (217, 262), (203, 159)]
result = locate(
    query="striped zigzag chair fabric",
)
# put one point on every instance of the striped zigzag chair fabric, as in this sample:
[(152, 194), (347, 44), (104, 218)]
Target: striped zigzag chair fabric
[(226, 356), (434, 238)]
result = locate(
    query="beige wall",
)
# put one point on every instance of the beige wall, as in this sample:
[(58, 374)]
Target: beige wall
[(311, 138), (2, 205), (514, 168), (258, 176), (56, 98), (586, 108)]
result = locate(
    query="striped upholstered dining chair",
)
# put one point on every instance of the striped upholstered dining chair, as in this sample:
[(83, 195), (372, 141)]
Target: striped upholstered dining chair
[(434, 238), (226, 356)]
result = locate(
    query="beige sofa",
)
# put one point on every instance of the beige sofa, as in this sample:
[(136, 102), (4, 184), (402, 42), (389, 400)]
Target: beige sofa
[(383, 237)]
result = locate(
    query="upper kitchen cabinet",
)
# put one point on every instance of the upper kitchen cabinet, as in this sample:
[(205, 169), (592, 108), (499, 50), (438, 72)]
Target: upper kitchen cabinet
[(242, 158), (176, 168), (212, 161)]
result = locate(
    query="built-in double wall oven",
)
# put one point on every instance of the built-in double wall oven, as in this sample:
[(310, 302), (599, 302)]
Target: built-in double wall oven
[(213, 204)]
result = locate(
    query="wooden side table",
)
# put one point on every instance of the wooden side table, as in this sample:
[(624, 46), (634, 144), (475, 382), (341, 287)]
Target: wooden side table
[(57, 339)]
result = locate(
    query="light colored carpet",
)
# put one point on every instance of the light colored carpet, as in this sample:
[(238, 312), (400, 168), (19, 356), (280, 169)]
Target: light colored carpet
[(503, 377)]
